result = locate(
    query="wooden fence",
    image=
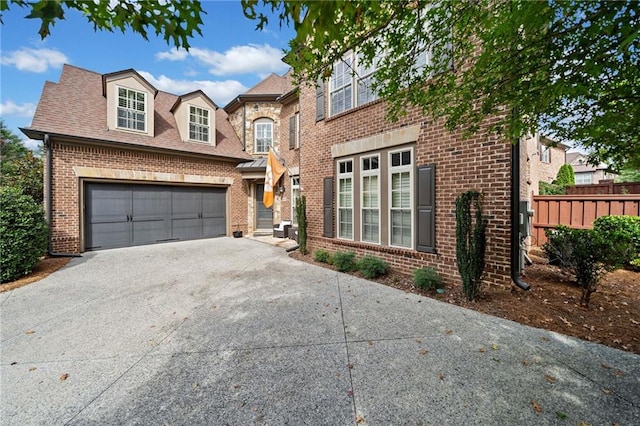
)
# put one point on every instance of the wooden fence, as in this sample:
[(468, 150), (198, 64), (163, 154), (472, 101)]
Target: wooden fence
[(606, 187), (577, 211)]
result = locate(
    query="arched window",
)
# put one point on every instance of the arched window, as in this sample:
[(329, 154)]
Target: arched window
[(263, 134)]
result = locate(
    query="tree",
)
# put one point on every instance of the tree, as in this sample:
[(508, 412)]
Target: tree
[(628, 174), (20, 168), (176, 22), (567, 68), (565, 176)]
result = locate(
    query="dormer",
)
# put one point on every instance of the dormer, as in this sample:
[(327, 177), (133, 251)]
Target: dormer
[(195, 116), (130, 102)]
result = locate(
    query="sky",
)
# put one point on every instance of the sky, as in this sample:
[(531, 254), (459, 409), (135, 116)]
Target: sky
[(230, 57)]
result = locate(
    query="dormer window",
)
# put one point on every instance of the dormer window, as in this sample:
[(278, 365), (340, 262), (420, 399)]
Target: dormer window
[(198, 124), (131, 109)]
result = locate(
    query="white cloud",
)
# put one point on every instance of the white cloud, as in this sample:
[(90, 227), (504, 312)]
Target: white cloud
[(32, 144), (246, 59), (23, 110), (221, 92), (35, 60), (172, 55)]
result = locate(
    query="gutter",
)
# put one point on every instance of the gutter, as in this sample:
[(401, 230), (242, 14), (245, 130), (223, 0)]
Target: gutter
[(515, 216), (244, 127), (47, 145)]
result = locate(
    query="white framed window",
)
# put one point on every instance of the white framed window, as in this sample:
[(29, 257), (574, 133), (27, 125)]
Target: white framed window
[(295, 195), (198, 124), (401, 198), (545, 154), (345, 199), (263, 134), (132, 106), (370, 199), (365, 76), (347, 74), (584, 178), (341, 86)]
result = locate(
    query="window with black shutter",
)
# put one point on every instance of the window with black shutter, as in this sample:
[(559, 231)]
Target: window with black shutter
[(327, 207), (320, 99)]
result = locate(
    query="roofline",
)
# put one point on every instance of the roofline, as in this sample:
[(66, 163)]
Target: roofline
[(181, 97), (290, 96), (39, 135), (127, 71), (255, 97)]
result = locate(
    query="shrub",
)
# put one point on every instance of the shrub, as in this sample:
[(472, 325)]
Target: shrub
[(345, 261), (551, 189), (622, 229), (301, 214), (372, 267), (427, 278), (586, 254), (471, 242), (322, 256), (565, 176), (23, 231)]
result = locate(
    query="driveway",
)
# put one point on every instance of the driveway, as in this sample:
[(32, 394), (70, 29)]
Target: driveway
[(233, 331)]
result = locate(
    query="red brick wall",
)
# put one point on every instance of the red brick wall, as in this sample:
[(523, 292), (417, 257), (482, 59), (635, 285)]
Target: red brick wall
[(480, 162), (66, 205), (290, 156)]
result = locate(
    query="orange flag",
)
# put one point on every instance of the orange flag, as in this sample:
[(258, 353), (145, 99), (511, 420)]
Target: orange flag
[(271, 177)]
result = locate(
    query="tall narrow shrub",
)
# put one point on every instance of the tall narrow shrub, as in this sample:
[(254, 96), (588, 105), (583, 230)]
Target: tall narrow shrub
[(301, 213), (565, 176), (471, 241)]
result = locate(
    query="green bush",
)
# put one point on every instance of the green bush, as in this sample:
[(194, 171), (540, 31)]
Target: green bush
[(427, 278), (586, 254), (23, 233), (551, 189), (372, 267), (345, 261), (322, 256), (565, 176), (621, 229)]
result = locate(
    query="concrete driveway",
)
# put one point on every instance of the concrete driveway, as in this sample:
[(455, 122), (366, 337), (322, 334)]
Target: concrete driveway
[(232, 331)]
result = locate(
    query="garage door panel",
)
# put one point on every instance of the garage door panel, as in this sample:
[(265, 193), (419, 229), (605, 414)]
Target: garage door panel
[(121, 215), (214, 227), (108, 235), (187, 229)]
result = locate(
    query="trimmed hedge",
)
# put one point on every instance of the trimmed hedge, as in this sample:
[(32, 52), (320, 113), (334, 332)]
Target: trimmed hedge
[(23, 234), (372, 267), (622, 229)]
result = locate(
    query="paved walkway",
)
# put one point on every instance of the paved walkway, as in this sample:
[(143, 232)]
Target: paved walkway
[(233, 331)]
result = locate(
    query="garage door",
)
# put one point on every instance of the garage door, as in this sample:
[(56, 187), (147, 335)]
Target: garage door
[(119, 215)]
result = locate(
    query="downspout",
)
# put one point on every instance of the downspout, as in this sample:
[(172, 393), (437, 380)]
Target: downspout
[(515, 216), (47, 145), (244, 126)]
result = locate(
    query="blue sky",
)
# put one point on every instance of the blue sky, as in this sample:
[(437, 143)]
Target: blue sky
[(230, 57)]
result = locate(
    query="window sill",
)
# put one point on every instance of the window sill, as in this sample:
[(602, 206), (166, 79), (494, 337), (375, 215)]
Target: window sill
[(352, 110)]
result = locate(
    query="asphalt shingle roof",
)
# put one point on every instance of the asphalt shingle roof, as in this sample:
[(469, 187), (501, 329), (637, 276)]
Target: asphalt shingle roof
[(76, 107)]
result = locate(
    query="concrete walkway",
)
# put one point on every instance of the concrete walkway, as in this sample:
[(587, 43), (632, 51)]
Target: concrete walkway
[(233, 331)]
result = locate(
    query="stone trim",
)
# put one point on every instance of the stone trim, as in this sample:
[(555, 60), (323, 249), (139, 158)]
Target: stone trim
[(102, 173), (373, 143)]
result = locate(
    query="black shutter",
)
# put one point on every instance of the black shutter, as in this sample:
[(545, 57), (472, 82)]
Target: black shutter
[(327, 207), (426, 209), (320, 99), (292, 132)]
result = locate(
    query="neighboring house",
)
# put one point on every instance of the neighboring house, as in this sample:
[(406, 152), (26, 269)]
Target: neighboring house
[(540, 160), (266, 116), (388, 189), (587, 174), (127, 164)]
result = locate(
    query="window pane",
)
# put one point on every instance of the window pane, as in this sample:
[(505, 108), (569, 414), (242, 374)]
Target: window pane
[(395, 159), (406, 158)]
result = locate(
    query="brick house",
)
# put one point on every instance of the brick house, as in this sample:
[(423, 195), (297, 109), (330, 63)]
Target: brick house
[(587, 174), (127, 164), (541, 158), (266, 116), (389, 189)]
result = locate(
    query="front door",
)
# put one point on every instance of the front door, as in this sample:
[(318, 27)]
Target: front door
[(264, 216)]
